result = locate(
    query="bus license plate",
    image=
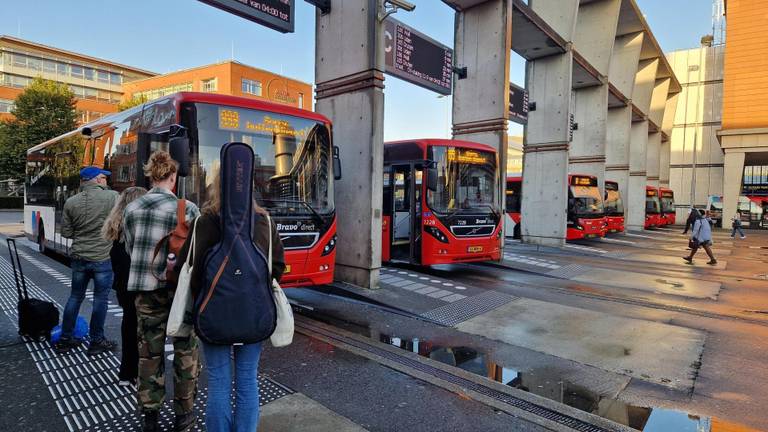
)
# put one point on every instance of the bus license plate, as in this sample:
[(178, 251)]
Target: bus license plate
[(474, 249), (590, 236), (287, 268)]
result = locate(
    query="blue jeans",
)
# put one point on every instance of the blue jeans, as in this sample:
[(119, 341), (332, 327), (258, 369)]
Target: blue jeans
[(737, 228), (218, 411), (82, 273)]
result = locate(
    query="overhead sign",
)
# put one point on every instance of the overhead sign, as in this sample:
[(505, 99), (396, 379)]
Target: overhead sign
[(276, 14), (415, 57), (518, 104)]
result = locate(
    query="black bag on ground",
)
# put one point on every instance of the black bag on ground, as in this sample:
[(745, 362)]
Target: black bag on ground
[(36, 317), (235, 304)]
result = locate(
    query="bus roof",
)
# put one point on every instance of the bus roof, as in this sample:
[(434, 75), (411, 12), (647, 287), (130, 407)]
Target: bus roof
[(192, 97), (445, 143), (663, 189), (649, 187)]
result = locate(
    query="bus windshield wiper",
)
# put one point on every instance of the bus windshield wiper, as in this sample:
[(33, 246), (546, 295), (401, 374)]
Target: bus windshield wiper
[(314, 213)]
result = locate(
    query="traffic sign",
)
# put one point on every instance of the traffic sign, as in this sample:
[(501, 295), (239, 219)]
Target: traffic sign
[(415, 57), (518, 104), (276, 14)]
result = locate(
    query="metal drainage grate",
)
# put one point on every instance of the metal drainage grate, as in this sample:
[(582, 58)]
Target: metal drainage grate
[(540, 411), (463, 310)]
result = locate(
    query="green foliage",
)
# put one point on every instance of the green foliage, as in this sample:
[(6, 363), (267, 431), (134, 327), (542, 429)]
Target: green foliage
[(44, 110), (132, 102)]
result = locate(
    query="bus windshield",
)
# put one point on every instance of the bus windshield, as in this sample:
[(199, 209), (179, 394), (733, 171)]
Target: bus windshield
[(467, 181), (652, 204), (292, 156), (587, 201), (614, 205), (667, 205)]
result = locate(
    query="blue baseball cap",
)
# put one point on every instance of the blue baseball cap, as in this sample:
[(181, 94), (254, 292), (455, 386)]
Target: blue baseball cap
[(91, 172)]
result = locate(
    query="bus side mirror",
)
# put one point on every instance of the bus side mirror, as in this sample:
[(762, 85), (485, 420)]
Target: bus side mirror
[(178, 147), (336, 164), (432, 179)]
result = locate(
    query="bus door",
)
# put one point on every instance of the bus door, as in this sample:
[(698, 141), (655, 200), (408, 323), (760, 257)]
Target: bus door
[(405, 204)]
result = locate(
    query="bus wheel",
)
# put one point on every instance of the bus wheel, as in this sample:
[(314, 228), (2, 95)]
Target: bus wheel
[(41, 239), (516, 232)]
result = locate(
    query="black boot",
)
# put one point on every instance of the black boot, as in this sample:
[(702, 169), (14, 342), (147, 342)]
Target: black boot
[(184, 422), (150, 422)]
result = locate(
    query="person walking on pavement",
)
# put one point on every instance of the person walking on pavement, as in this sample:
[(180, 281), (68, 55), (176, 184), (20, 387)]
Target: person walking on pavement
[(121, 264), (82, 218), (736, 226), (701, 236), (692, 216), (218, 413), (147, 220)]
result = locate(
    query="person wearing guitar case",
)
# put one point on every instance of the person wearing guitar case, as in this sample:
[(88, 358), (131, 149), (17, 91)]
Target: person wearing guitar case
[(231, 288), (153, 225)]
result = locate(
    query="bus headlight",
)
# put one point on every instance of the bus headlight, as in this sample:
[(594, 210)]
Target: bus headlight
[(329, 247), (436, 233)]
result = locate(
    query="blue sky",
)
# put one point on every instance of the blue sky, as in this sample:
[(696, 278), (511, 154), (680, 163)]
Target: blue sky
[(168, 35)]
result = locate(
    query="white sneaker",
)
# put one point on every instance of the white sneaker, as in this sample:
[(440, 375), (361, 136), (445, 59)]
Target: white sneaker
[(743, 237)]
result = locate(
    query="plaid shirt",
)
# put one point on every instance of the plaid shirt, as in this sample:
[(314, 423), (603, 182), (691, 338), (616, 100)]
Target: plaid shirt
[(146, 221)]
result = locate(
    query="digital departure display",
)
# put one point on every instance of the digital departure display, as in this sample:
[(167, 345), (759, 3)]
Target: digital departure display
[(415, 57), (260, 123), (518, 104), (583, 181), (275, 14), (469, 157)]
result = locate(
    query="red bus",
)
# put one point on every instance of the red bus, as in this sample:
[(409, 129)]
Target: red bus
[(441, 202), (296, 164), (614, 207), (652, 207), (667, 198), (586, 214)]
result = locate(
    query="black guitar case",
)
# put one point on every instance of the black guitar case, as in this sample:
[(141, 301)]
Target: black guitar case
[(236, 303)]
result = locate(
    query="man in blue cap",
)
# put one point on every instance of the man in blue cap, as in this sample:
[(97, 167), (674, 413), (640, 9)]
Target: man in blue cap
[(82, 219)]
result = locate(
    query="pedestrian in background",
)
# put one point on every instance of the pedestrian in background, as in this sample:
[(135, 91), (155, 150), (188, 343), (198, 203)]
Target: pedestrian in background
[(218, 414), (147, 221), (736, 226), (82, 219), (701, 236), (692, 216), (121, 263)]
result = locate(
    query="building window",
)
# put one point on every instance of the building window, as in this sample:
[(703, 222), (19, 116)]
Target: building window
[(19, 60), (89, 74), (49, 66), (76, 71), (210, 85), (153, 94), (116, 79), (251, 87), (6, 105), (301, 100)]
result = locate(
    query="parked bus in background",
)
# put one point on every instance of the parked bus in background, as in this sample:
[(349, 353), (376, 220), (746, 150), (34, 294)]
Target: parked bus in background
[(652, 207), (614, 207), (512, 216), (441, 202), (667, 215), (295, 167), (586, 212)]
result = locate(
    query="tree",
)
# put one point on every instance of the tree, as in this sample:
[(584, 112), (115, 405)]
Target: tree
[(132, 102), (46, 109)]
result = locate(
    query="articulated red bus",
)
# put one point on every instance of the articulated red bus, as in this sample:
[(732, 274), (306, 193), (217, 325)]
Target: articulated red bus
[(652, 207), (441, 202), (586, 214), (614, 207), (667, 215), (296, 164)]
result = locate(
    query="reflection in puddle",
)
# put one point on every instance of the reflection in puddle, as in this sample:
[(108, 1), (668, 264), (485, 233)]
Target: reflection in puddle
[(543, 384)]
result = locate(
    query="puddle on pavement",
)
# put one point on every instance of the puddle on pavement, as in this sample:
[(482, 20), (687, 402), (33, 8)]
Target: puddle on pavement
[(543, 384)]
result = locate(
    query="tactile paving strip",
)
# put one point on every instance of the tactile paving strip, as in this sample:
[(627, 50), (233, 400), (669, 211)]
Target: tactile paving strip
[(568, 272), (463, 310)]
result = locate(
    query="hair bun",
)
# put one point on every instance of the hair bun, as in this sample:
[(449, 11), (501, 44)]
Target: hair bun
[(160, 166)]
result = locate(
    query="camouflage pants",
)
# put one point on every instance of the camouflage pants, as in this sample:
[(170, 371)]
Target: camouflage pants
[(152, 309)]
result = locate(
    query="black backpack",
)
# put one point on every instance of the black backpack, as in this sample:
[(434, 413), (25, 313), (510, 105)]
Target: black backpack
[(36, 317), (236, 303)]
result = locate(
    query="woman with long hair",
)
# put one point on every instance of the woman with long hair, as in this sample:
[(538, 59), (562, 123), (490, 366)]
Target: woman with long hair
[(121, 264), (218, 414)]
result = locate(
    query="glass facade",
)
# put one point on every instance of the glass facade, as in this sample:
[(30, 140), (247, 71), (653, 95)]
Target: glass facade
[(37, 65), (755, 180)]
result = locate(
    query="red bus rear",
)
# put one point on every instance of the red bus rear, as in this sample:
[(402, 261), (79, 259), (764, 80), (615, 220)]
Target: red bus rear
[(652, 207), (441, 202), (667, 216), (614, 207)]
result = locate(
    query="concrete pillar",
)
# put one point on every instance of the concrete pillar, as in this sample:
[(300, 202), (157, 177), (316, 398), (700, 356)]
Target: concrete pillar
[(349, 66), (665, 152), (652, 158), (732, 180), (634, 211), (545, 158), (595, 32), (587, 152), (617, 147), (626, 55), (483, 43)]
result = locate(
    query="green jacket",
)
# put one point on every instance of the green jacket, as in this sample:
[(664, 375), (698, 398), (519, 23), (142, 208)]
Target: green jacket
[(83, 217)]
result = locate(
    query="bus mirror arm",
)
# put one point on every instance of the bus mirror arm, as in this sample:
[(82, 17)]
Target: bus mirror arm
[(336, 164), (179, 149)]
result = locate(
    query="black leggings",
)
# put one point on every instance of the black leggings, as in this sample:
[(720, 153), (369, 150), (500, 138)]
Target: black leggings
[(129, 361)]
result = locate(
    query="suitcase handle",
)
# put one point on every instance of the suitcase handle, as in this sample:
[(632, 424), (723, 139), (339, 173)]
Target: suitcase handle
[(17, 276)]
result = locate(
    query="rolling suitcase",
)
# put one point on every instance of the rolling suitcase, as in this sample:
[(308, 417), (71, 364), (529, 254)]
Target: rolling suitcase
[(36, 317)]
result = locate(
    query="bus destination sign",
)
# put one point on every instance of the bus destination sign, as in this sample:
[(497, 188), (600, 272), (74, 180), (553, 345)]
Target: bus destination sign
[(276, 14), (415, 57)]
